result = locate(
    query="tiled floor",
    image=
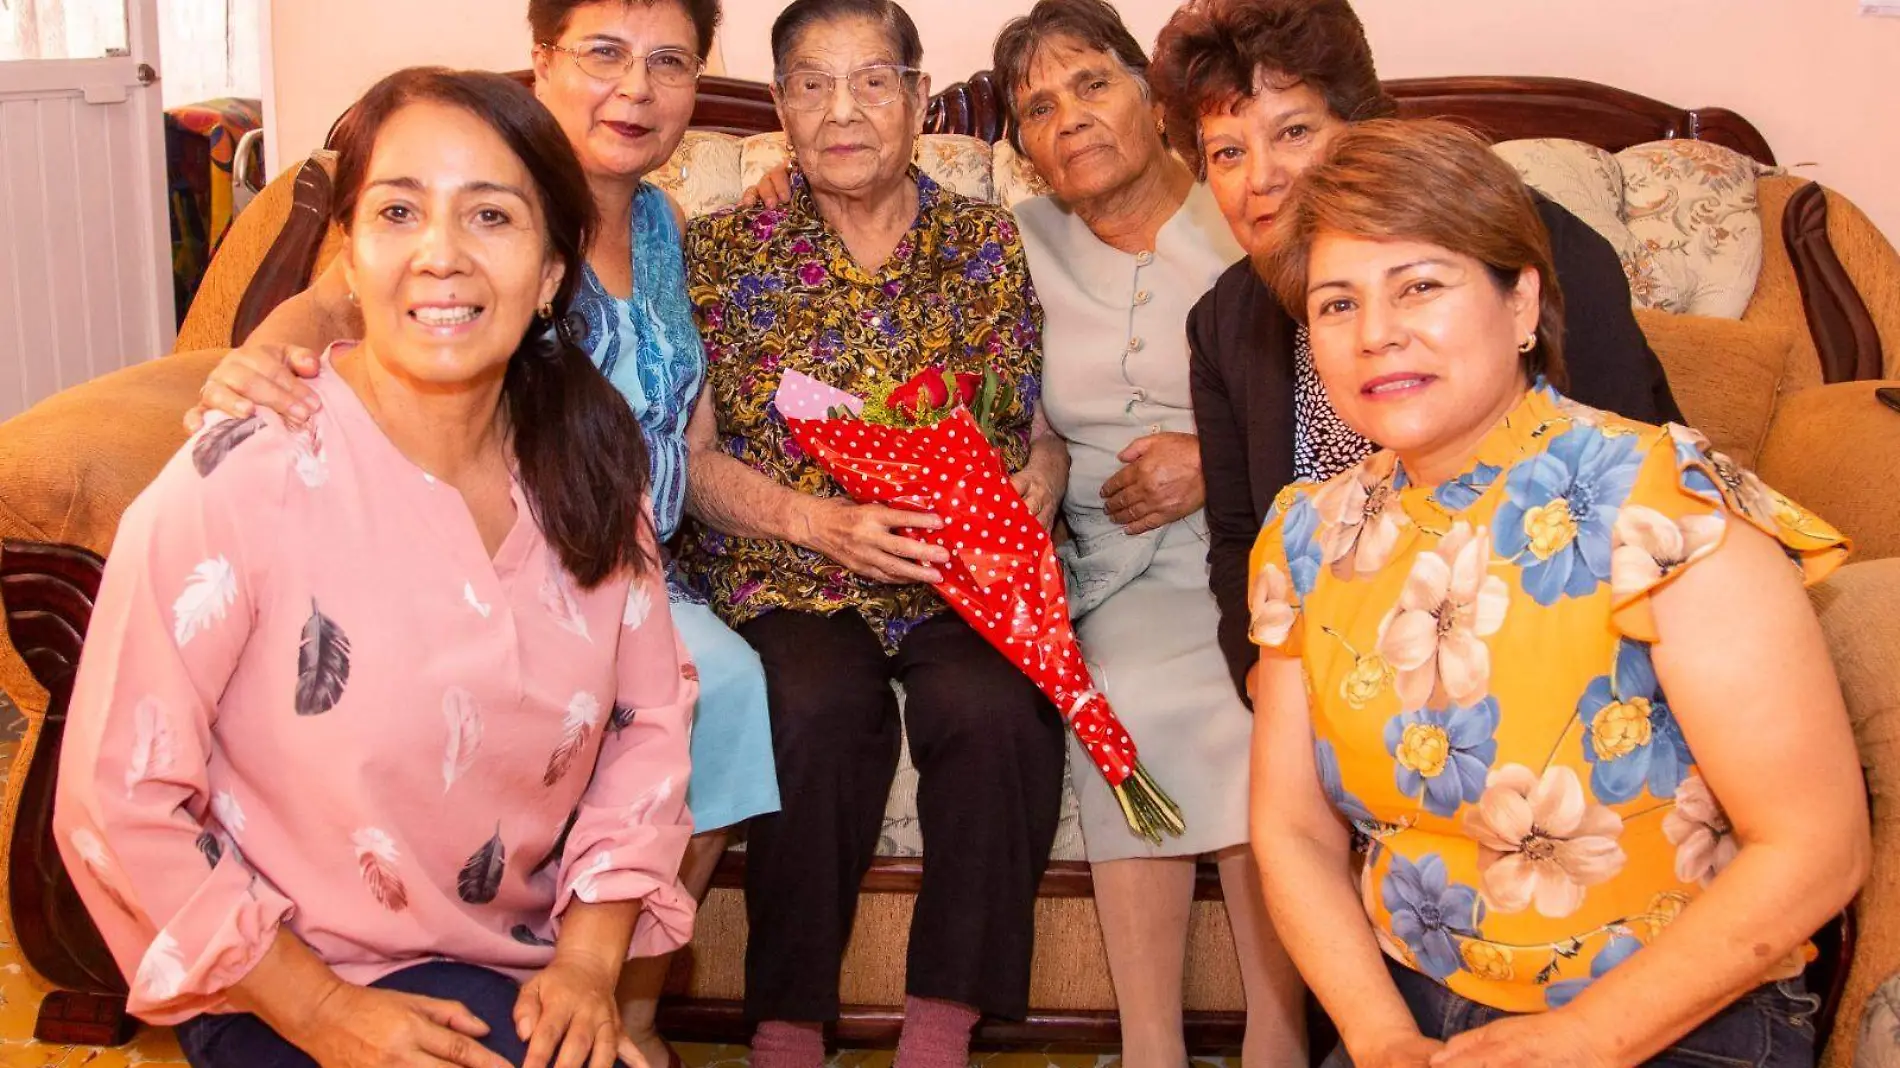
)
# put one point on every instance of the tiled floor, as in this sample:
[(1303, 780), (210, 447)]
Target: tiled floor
[(20, 998)]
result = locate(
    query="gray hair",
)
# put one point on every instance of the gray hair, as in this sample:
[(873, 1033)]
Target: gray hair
[(802, 15), (1093, 23)]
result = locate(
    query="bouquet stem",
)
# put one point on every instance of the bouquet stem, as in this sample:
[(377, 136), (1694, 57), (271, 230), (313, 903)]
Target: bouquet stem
[(1149, 810)]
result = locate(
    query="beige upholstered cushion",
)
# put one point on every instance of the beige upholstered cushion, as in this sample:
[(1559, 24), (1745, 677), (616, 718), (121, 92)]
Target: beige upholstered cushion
[(1682, 215), (1585, 179), (1696, 202), (703, 174), (1588, 182), (1016, 177), (958, 163)]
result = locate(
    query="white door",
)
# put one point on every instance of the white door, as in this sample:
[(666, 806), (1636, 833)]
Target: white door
[(85, 242)]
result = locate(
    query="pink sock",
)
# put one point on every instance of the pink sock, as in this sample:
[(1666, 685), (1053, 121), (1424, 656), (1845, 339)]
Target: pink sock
[(936, 1034), (779, 1044)]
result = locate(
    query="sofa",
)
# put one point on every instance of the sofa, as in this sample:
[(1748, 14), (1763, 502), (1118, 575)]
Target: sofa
[(1773, 303)]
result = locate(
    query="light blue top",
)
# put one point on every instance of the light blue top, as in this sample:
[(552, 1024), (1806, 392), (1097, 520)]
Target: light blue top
[(648, 347)]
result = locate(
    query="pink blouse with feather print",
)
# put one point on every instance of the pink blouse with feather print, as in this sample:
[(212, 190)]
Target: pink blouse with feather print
[(310, 698)]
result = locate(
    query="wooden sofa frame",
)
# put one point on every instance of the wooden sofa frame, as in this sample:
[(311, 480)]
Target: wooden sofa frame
[(48, 589)]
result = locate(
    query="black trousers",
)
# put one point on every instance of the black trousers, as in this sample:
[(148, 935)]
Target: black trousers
[(989, 751)]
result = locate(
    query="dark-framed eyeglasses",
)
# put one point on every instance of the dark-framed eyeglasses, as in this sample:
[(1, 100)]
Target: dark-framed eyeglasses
[(674, 68), (875, 86)]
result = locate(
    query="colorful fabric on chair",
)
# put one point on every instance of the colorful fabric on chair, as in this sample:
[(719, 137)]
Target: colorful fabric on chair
[(200, 149)]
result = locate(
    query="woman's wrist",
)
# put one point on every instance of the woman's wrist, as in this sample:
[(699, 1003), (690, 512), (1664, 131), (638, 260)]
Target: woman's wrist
[(311, 1017)]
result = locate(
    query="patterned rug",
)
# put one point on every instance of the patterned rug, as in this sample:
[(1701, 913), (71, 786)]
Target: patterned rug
[(20, 996)]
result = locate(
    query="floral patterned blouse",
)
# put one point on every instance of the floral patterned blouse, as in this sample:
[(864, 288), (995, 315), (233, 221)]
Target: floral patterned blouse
[(1484, 707), (777, 290)]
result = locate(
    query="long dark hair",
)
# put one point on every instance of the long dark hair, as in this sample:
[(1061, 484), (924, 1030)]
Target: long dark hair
[(578, 449)]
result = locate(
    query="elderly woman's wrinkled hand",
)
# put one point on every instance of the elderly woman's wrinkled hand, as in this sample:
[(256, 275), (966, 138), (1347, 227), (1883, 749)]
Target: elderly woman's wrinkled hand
[(1555, 1039), (865, 539), (1161, 482), (253, 376), (773, 190), (1039, 494)]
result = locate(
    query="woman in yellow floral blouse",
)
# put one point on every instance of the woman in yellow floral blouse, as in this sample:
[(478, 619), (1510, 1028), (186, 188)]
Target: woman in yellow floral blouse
[(1553, 666), (869, 273)]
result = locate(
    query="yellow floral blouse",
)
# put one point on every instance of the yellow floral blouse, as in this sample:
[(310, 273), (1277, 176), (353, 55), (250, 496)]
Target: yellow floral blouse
[(1484, 707), (777, 290)]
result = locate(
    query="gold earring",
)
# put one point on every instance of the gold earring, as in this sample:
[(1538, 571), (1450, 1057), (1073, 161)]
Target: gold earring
[(353, 300), (546, 312), (1530, 342)]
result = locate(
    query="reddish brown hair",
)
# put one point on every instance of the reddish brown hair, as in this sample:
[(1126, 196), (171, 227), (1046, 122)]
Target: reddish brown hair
[(1209, 55), (1430, 181), (548, 19)]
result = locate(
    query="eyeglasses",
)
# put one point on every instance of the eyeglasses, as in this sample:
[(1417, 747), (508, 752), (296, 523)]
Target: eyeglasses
[(875, 86), (674, 68)]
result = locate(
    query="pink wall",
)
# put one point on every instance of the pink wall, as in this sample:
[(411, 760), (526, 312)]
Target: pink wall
[(324, 53), (1815, 76)]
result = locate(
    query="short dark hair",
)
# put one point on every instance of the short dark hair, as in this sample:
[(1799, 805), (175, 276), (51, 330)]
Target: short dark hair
[(1210, 52), (1422, 180), (1093, 23), (802, 15), (580, 455), (548, 19)]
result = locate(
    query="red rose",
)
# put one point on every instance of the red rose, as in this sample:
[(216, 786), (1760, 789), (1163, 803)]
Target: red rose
[(967, 385), (924, 392)]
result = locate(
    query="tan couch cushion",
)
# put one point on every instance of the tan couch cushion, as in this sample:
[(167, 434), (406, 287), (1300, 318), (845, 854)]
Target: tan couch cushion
[(1836, 449), (71, 464), (1725, 374), (1856, 606)]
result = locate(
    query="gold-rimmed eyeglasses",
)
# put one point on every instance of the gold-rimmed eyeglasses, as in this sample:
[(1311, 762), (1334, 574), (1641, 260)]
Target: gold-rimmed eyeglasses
[(874, 86), (674, 68)]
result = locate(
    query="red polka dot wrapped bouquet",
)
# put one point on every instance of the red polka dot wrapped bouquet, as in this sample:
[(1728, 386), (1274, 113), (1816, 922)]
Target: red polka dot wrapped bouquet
[(920, 447)]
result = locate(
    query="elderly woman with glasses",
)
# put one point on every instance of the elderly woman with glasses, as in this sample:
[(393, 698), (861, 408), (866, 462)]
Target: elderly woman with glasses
[(620, 79), (868, 274)]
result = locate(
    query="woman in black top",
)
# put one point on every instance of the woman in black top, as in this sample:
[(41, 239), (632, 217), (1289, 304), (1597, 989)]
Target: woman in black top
[(1254, 92)]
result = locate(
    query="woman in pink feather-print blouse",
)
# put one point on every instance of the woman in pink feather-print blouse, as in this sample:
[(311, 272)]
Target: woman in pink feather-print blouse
[(378, 749)]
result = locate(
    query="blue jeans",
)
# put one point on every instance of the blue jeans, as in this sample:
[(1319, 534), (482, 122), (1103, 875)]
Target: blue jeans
[(1771, 1026), (240, 1040)]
